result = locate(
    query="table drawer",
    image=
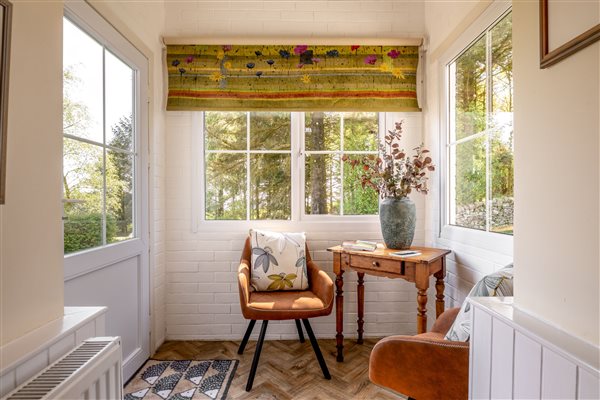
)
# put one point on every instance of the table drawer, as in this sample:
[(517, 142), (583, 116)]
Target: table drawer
[(380, 264)]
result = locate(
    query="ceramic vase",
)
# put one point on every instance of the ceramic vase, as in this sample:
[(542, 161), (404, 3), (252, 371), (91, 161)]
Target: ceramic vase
[(398, 217)]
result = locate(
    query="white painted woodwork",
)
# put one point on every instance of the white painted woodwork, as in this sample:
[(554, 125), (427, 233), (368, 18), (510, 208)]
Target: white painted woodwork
[(502, 360), (481, 354), (588, 387), (28, 355), (527, 368), (516, 355), (118, 275), (559, 376)]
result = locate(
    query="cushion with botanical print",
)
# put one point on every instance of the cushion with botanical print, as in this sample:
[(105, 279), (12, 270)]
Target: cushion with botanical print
[(497, 284), (278, 261)]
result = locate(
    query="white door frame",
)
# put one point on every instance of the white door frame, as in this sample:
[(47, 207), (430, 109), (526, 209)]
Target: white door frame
[(88, 261)]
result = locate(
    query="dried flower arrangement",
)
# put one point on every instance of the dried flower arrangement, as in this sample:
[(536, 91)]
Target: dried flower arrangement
[(393, 173)]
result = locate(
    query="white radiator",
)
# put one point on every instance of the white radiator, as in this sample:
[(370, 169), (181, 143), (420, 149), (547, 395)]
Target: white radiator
[(517, 356), (93, 370)]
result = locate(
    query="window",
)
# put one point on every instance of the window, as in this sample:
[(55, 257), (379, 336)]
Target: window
[(98, 145), (248, 165), (255, 161), (331, 186), (480, 132)]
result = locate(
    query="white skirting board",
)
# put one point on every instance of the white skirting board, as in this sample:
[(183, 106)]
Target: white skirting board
[(517, 356)]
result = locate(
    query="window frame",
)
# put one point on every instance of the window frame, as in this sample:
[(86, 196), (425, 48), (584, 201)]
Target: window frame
[(490, 240), (93, 24), (298, 154)]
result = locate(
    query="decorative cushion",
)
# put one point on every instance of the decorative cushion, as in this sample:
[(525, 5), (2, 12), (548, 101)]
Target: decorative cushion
[(278, 261), (498, 284)]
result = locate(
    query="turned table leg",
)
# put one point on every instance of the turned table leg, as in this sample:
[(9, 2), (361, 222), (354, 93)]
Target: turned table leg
[(361, 306), (339, 307), (439, 289), (422, 311)]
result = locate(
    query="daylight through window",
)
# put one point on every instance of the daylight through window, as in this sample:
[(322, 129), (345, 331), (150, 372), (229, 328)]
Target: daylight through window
[(248, 163), (98, 144), (480, 145)]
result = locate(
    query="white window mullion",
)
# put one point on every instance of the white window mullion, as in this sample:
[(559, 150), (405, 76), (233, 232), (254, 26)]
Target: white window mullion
[(248, 192), (104, 152), (488, 110), (296, 165), (340, 157)]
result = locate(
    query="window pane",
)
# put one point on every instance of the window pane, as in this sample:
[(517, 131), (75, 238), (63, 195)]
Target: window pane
[(225, 186), (322, 131), (501, 142), (322, 184), (119, 196), (270, 130), (225, 130), (82, 184), (82, 84), (469, 94), (470, 184), (270, 186), (502, 82), (358, 200), (360, 131), (119, 103), (502, 171)]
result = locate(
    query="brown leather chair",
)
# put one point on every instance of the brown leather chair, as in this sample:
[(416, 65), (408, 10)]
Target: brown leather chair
[(424, 366), (284, 305)]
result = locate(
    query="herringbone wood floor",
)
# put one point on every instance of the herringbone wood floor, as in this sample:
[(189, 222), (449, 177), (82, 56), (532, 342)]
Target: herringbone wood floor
[(289, 369)]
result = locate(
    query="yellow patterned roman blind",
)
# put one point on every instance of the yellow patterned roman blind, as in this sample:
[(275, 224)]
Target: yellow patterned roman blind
[(300, 77)]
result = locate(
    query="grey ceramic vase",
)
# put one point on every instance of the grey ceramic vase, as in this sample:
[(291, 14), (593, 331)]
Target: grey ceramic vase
[(398, 218)]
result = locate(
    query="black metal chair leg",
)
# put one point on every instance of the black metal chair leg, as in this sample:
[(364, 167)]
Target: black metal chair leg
[(246, 336), (259, 344), (316, 348), (300, 333)]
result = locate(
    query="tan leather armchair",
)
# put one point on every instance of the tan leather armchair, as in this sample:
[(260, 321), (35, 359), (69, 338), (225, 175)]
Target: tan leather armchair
[(423, 366), (283, 305)]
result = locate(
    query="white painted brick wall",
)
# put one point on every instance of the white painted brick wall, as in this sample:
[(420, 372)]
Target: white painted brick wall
[(202, 300), (201, 293), (303, 18)]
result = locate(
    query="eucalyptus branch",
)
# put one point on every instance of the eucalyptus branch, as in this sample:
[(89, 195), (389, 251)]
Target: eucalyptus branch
[(392, 173)]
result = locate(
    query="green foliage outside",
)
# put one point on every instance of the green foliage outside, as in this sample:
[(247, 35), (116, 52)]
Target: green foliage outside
[(86, 171), (472, 117), (84, 231)]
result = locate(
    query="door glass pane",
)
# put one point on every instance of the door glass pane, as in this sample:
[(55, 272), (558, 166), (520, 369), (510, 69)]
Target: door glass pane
[(119, 103), (119, 196), (468, 91), (225, 130), (270, 186), (82, 84), (322, 184), (322, 131), (358, 200), (82, 189), (225, 186), (270, 131), (360, 131), (469, 188)]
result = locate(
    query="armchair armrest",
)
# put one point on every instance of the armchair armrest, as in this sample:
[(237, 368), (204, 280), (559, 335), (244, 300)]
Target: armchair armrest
[(421, 367), (445, 320), (244, 274), (320, 283)]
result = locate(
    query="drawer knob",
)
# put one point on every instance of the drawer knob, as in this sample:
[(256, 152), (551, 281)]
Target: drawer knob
[(375, 264)]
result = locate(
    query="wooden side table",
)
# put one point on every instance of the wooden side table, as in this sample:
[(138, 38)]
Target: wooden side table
[(416, 269)]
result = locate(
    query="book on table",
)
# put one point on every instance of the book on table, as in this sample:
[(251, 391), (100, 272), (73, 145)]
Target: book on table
[(359, 245)]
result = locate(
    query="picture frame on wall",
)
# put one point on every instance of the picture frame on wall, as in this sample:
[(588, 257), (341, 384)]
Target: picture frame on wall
[(557, 20), (5, 31)]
